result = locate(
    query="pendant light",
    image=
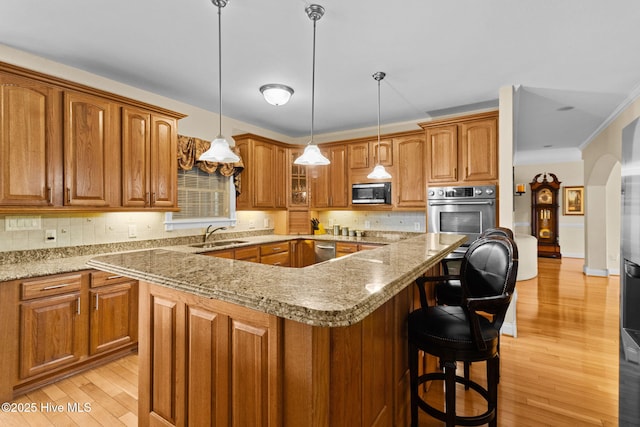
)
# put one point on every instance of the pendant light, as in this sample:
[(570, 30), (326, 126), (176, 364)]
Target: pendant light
[(378, 171), (219, 150), (312, 154)]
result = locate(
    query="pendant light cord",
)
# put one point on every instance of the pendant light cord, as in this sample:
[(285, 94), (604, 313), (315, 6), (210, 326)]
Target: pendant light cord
[(378, 162), (313, 79), (220, 70)]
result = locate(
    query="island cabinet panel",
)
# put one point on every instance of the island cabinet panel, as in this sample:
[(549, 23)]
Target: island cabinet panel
[(114, 316), (29, 142), (206, 362)]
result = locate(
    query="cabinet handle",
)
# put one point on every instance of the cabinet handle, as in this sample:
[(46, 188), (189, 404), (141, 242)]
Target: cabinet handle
[(153, 199), (277, 263), (97, 301), (114, 277), (78, 306), (455, 174), (148, 199), (48, 288), (68, 195), (50, 196), (275, 249)]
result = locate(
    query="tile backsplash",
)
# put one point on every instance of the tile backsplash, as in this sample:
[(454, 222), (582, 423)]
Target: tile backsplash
[(112, 227)]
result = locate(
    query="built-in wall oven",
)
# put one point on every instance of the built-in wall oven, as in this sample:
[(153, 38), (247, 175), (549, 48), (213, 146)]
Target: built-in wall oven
[(461, 210)]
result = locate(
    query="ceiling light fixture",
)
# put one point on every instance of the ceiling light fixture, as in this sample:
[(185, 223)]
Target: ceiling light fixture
[(276, 94), (378, 171), (219, 150), (312, 154)]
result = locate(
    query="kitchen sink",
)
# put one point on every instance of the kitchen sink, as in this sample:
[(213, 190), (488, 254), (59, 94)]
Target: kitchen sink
[(215, 244)]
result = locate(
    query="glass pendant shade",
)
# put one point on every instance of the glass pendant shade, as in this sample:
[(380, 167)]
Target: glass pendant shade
[(312, 156), (276, 94), (219, 152), (379, 172)]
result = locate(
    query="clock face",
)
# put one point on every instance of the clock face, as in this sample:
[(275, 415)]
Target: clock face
[(545, 196)]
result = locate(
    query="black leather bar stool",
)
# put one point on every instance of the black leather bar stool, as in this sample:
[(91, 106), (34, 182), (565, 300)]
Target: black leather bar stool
[(465, 333)]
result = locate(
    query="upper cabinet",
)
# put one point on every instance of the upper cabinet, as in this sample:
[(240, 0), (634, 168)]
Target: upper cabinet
[(463, 149), (410, 183), (149, 163), (264, 179), (65, 146), (364, 154), (91, 158), (30, 142), (329, 185)]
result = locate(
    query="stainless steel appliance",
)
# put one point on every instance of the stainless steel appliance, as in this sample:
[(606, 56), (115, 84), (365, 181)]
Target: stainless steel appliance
[(461, 210), (371, 193), (629, 393), (325, 251)]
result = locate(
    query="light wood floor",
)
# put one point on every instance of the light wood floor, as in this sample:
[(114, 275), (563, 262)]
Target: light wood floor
[(561, 370)]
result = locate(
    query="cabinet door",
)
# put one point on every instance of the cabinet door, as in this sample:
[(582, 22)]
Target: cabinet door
[(91, 152), (136, 145), (320, 178), (298, 181), (114, 317), (338, 191), (359, 155), (479, 147), (442, 153), (52, 331), (386, 152), (29, 143), (264, 174), (164, 162), (280, 174), (244, 199), (410, 181)]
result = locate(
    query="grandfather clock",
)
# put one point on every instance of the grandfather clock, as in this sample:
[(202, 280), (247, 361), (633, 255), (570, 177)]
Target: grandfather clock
[(544, 215)]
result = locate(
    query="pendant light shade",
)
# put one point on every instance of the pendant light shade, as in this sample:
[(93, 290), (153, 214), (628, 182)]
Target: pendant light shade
[(312, 154), (276, 94), (379, 171), (219, 151)]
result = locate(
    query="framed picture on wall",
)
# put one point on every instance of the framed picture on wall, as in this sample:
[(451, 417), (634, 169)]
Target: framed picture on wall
[(573, 200)]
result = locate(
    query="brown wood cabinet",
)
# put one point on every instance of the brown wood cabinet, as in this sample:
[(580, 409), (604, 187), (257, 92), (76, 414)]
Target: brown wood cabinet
[(364, 154), (345, 248), (61, 147), (462, 149), (54, 326), (30, 142), (149, 162), (264, 179), (275, 254), (113, 321), (329, 184), (410, 174), (91, 158)]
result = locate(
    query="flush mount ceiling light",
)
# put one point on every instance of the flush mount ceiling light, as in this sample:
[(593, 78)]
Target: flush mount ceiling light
[(219, 150), (312, 154), (378, 171), (276, 94)]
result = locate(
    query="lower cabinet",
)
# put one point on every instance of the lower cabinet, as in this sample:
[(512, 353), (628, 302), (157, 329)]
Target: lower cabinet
[(57, 325)]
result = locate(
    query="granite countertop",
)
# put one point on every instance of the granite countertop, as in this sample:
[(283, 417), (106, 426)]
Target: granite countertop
[(335, 293)]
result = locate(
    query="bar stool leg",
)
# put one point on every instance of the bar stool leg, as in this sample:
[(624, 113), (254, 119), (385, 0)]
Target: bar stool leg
[(493, 374), (413, 383), (450, 392)]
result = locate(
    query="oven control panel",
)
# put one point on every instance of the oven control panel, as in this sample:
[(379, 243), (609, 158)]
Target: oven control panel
[(452, 193)]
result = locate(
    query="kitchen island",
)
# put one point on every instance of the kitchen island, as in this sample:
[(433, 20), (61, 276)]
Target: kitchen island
[(228, 342)]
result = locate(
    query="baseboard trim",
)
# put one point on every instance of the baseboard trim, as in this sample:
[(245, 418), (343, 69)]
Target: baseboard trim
[(595, 271), (509, 328)]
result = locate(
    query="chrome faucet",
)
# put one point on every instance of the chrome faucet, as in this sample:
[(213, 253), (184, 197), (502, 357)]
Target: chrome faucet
[(208, 233)]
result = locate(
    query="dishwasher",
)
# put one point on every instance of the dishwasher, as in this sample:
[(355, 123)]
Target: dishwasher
[(325, 251)]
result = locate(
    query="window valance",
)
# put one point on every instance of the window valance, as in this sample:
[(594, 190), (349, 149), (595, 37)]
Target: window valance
[(190, 149)]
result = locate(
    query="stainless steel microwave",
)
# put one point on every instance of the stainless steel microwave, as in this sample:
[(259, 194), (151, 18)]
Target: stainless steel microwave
[(375, 193)]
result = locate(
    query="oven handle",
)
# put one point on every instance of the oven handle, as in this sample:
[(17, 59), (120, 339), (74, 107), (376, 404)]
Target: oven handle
[(461, 202)]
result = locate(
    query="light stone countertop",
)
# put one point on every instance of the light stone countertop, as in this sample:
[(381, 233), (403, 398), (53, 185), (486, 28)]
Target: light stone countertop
[(335, 293)]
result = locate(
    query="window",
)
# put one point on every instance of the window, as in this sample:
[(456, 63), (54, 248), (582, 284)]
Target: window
[(203, 199)]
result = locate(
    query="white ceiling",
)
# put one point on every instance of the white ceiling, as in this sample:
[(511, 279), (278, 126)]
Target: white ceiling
[(439, 56)]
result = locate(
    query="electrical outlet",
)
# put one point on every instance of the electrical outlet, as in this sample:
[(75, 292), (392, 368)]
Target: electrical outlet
[(367, 225), (50, 235), (252, 224), (416, 226), (266, 223), (133, 231)]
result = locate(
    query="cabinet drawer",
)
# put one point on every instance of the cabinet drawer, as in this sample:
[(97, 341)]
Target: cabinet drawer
[(247, 254), (228, 254), (50, 285), (347, 248), (274, 248), (367, 246), (104, 278), (281, 259)]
